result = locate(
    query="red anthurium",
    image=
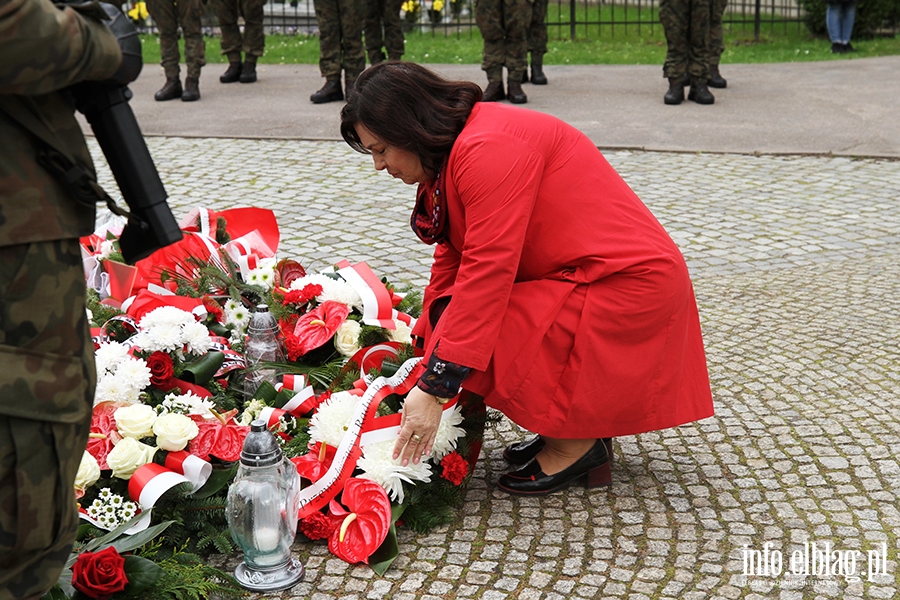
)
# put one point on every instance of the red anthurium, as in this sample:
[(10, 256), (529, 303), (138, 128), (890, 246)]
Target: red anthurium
[(288, 270), (104, 431), (361, 530), (314, 464), (221, 437), (317, 326)]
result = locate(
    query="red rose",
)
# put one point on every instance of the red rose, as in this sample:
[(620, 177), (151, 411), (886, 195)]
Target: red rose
[(161, 370), (99, 574), (316, 526), (455, 468)]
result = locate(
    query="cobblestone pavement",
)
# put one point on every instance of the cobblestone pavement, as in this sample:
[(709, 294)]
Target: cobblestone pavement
[(794, 261)]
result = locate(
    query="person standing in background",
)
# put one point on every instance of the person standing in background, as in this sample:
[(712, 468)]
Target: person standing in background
[(537, 42), (252, 43), (716, 43), (504, 27), (340, 46), (839, 18), (383, 30), (48, 377), (168, 15), (686, 25)]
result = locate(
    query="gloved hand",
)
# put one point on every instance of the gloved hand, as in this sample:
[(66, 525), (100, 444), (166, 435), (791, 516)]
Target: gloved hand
[(127, 36)]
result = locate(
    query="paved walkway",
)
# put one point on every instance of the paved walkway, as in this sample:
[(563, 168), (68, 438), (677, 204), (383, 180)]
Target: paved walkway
[(794, 260)]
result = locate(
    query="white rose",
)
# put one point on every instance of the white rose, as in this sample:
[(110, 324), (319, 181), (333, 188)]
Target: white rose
[(135, 421), (174, 431), (88, 472), (402, 334), (129, 454), (346, 338)]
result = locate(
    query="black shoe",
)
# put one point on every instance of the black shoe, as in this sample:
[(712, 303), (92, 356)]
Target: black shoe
[(700, 93), (848, 47), (330, 92), (715, 78), (232, 73), (530, 480), (514, 92), (521, 452), (837, 48), (675, 95), (537, 73), (525, 75), (170, 91), (494, 92), (248, 72), (191, 89)]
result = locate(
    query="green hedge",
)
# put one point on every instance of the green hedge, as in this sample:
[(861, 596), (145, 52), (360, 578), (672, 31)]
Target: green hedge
[(872, 16)]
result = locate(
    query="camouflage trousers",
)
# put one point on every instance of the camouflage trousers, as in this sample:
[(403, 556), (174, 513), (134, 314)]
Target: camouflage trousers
[(716, 34), (383, 29), (504, 27), (537, 29), (686, 24), (168, 15), (253, 40), (340, 38), (46, 393)]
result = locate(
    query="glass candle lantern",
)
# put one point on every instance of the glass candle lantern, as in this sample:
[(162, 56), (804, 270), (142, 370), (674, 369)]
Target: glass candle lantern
[(262, 508)]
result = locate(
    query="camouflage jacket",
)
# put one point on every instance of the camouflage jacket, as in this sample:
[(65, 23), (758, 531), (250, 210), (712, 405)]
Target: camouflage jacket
[(43, 50)]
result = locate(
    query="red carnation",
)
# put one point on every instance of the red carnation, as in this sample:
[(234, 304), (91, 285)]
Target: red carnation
[(162, 369), (316, 526), (304, 295), (99, 574), (455, 468)]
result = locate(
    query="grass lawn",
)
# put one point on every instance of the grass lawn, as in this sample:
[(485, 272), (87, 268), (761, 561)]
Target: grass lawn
[(787, 42)]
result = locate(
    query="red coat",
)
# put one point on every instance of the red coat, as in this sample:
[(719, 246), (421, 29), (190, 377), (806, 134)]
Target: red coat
[(569, 300)]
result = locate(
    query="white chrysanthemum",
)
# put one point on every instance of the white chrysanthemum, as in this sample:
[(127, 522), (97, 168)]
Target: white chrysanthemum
[(104, 495), (332, 419), (196, 336), (127, 511), (312, 278), (238, 318), (340, 291), (164, 337), (116, 500), (448, 433), (262, 276), (186, 404), (113, 389), (108, 356), (378, 465), (134, 372), (93, 510), (232, 304), (166, 315)]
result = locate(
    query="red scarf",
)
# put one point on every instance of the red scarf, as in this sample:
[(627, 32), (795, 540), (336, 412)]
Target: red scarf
[(429, 217)]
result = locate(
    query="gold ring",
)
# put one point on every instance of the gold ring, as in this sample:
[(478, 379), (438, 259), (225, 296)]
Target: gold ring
[(416, 438)]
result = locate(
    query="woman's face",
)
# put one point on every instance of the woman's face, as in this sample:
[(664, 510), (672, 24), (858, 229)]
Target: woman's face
[(399, 162)]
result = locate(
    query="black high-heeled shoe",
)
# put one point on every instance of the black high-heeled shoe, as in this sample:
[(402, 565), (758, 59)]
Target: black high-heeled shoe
[(530, 480), (520, 453)]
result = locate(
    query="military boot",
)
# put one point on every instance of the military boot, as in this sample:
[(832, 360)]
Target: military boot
[(700, 93), (248, 71), (170, 91), (514, 91), (675, 95), (191, 89), (537, 70), (330, 92), (232, 73), (350, 84), (715, 79), (494, 92)]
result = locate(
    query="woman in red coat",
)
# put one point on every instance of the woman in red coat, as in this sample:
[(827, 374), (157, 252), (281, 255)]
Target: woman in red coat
[(554, 293)]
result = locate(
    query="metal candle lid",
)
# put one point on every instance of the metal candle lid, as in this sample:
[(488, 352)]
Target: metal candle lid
[(260, 449)]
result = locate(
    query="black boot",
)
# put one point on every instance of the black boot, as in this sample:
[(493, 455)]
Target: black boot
[(514, 91), (687, 80), (330, 92), (170, 91), (248, 72), (232, 73), (715, 78), (494, 92), (537, 71), (675, 95), (700, 93), (837, 48), (191, 89)]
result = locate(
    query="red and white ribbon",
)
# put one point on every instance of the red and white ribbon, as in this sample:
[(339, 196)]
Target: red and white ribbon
[(377, 307), (302, 403), (194, 468)]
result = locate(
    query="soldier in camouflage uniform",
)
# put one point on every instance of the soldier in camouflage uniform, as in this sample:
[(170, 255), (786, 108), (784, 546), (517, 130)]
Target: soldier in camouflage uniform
[(686, 24), (383, 30), (168, 15), (716, 42), (252, 43), (48, 376), (504, 26), (537, 42), (340, 46)]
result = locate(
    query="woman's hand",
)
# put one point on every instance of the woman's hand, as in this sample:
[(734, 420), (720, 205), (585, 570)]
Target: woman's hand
[(418, 426)]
